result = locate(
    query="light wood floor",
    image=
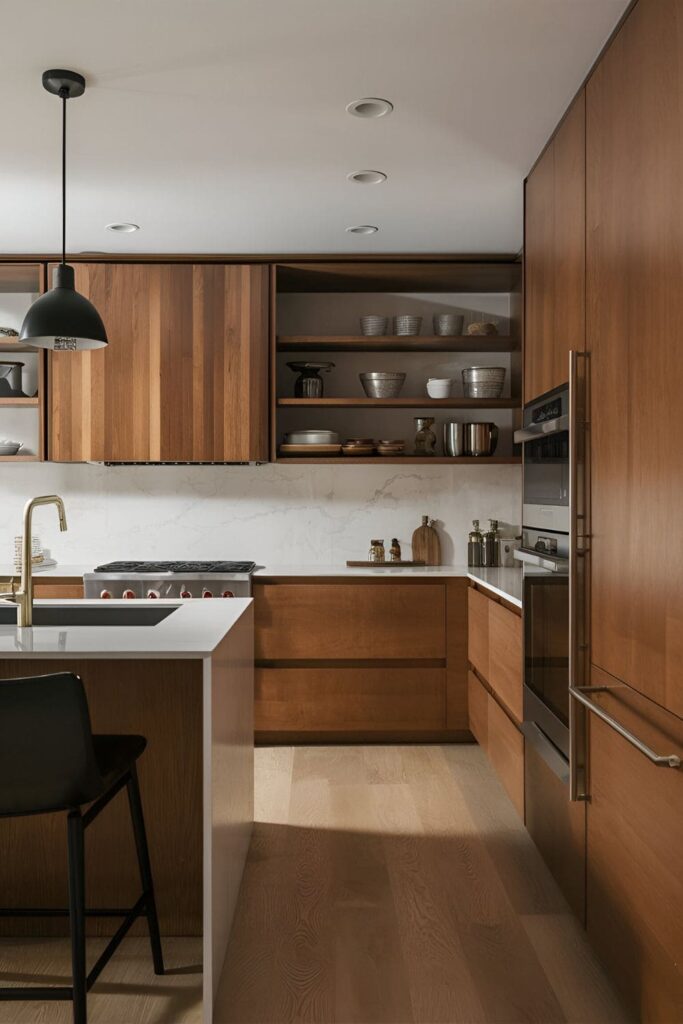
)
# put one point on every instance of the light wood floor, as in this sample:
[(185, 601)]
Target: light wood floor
[(128, 991), (397, 884), (384, 884)]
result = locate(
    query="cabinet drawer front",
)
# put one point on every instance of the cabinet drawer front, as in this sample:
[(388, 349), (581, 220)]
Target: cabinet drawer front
[(477, 699), (478, 631), (505, 748), (354, 699), (505, 657), (350, 621), (635, 887)]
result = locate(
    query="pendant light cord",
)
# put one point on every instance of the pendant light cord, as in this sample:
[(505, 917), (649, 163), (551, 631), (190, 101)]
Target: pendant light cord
[(64, 92)]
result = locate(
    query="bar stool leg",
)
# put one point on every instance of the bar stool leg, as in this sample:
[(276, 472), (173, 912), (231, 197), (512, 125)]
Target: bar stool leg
[(138, 820), (77, 914)]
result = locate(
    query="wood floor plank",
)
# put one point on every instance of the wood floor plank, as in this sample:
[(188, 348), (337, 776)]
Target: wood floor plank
[(528, 884), (128, 989), (275, 784), (573, 970), (394, 894)]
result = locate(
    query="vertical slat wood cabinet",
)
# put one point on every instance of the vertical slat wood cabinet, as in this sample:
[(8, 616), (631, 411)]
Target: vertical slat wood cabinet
[(554, 261), (635, 837), (184, 377), (635, 311)]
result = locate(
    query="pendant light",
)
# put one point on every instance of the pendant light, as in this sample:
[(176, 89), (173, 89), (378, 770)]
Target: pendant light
[(62, 319)]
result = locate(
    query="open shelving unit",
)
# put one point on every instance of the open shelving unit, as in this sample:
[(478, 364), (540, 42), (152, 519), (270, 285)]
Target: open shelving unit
[(22, 418), (315, 307)]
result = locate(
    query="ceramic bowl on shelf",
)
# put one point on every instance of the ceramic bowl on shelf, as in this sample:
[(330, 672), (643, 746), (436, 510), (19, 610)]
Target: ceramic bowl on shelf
[(10, 447), (312, 437), (382, 385), (448, 325), (407, 325), (483, 381), (373, 326), (439, 387), (358, 446)]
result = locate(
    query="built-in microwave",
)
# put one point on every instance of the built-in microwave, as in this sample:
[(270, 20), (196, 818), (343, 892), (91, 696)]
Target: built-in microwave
[(545, 514)]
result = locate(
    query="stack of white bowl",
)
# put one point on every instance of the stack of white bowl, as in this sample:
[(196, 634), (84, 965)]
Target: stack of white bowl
[(439, 387)]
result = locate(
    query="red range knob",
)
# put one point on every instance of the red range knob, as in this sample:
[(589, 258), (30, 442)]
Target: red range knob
[(105, 593), (128, 594), (206, 593), (153, 593), (227, 593), (185, 593)]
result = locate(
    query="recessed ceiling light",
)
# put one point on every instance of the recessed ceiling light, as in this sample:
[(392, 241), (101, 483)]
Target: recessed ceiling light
[(370, 106), (368, 177), (363, 229), (123, 228)]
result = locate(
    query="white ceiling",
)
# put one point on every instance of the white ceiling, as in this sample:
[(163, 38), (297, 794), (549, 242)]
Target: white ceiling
[(220, 125)]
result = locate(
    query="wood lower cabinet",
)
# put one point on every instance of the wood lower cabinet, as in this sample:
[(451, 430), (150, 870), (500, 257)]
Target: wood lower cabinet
[(634, 251), (635, 838), (554, 256), (357, 700), (494, 686), (360, 659), (500, 737), (184, 377), (495, 648)]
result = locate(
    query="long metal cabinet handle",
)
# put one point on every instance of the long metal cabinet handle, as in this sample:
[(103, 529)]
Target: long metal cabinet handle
[(660, 760), (577, 724)]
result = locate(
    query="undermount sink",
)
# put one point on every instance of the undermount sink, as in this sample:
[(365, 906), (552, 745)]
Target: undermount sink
[(102, 615)]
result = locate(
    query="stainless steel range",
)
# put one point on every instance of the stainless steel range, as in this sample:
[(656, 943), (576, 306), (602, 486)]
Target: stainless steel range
[(169, 580)]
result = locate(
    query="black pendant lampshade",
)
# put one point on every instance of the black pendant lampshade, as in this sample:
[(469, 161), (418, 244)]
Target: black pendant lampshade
[(63, 319)]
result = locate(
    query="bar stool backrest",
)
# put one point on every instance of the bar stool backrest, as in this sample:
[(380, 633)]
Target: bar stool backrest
[(47, 760)]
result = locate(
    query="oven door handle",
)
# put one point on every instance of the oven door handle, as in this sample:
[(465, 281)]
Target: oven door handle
[(544, 561), (536, 430)]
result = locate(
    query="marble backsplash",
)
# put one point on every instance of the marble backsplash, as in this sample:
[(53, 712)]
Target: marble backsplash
[(275, 515)]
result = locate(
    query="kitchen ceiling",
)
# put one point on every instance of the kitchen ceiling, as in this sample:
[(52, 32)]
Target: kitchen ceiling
[(220, 125)]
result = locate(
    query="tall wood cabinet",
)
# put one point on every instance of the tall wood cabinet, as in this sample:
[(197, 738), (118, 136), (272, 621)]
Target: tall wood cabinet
[(554, 244), (184, 377), (634, 316)]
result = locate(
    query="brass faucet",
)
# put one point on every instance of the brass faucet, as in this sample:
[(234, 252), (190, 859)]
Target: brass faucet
[(24, 596)]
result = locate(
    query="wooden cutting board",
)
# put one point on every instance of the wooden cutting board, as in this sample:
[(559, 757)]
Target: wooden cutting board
[(426, 543)]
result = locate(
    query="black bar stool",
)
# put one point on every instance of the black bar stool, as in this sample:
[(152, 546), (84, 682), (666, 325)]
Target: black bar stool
[(50, 761)]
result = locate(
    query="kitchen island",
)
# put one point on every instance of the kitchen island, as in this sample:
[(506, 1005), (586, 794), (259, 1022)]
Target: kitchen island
[(186, 683)]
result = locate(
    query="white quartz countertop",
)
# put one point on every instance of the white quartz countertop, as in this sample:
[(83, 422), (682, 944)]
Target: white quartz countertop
[(504, 582), (408, 571), (193, 630)]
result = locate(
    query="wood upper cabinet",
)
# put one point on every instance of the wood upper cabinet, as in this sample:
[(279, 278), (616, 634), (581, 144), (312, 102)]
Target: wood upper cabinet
[(184, 377), (634, 251), (554, 263)]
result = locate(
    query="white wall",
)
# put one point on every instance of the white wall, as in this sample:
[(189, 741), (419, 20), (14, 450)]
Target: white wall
[(274, 514)]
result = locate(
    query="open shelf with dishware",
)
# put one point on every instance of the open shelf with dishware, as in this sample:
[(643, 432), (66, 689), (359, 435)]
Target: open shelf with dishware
[(330, 325), (22, 369)]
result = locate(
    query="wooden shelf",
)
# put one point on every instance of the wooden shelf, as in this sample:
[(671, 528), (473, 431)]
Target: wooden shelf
[(20, 458), (396, 343), (15, 346), (413, 460), (400, 403), (32, 402)]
